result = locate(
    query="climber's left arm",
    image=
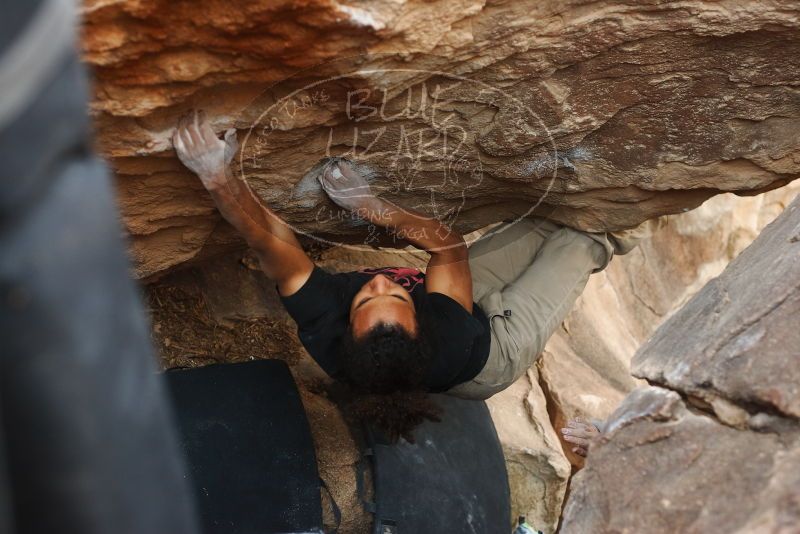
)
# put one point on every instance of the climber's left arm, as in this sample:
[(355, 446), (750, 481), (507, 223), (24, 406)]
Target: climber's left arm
[(279, 252), (448, 268)]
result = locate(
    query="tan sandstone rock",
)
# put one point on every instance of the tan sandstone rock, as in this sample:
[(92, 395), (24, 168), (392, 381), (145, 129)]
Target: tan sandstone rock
[(753, 311), (537, 469), (596, 114), (585, 368), (662, 468), (730, 466), (337, 460)]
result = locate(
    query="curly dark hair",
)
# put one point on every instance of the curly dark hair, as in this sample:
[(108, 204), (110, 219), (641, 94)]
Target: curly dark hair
[(386, 371), (386, 359)]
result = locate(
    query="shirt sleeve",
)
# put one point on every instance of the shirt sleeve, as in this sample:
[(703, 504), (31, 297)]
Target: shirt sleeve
[(455, 331), (320, 312), (320, 294)]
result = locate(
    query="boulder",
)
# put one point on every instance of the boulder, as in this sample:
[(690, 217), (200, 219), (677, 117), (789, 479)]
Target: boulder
[(585, 368), (537, 469), (662, 468), (738, 339), (599, 115), (728, 460), (338, 458)]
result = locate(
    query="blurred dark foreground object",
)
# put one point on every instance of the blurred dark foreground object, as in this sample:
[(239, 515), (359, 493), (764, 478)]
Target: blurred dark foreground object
[(253, 463), (249, 448), (452, 479), (87, 443)]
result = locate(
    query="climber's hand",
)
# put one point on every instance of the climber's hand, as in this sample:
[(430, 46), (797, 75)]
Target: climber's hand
[(580, 433), (200, 149), (348, 188)]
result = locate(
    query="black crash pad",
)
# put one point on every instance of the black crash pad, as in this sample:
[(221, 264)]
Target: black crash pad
[(249, 448), (453, 479)]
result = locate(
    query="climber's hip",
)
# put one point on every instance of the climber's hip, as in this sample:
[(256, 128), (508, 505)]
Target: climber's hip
[(526, 279)]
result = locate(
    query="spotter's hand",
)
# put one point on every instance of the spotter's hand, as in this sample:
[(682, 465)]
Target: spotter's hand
[(200, 149), (347, 187), (580, 433)]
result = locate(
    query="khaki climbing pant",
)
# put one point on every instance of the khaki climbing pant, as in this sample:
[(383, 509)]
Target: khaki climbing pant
[(526, 276)]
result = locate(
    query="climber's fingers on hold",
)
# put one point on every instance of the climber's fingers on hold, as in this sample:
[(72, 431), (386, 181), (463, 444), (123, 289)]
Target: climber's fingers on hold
[(575, 440), (205, 130), (346, 170), (182, 133), (182, 142), (577, 423), (193, 129), (330, 180), (323, 181), (176, 135), (177, 142), (333, 173), (591, 429), (182, 120), (231, 144), (579, 432), (186, 124), (352, 178), (187, 138), (582, 426), (230, 138), (188, 131)]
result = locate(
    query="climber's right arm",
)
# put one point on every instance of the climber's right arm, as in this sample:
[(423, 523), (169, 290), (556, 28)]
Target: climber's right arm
[(278, 250)]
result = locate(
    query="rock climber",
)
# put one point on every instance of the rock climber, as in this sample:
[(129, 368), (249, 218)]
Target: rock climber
[(469, 326)]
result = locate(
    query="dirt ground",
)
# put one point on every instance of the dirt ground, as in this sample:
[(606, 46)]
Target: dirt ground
[(186, 335)]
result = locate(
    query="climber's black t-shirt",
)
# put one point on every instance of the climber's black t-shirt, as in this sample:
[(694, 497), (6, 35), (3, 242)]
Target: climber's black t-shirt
[(321, 309)]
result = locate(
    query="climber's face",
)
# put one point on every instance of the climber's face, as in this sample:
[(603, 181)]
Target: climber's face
[(382, 301)]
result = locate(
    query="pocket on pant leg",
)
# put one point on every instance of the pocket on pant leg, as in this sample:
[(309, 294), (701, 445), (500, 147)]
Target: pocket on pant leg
[(504, 351), (498, 315)]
